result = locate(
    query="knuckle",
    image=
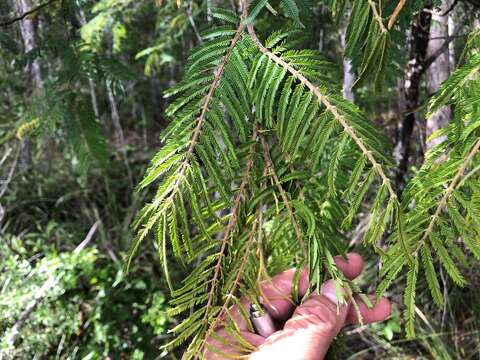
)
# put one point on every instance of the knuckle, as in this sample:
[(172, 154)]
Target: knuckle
[(319, 318)]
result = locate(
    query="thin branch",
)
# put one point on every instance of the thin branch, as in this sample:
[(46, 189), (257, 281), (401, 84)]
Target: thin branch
[(192, 22), (27, 13), (376, 15), (236, 281), (446, 12), (7, 181), (331, 108), (270, 167), (448, 37), (431, 59), (395, 13), (232, 223), (88, 238), (448, 192)]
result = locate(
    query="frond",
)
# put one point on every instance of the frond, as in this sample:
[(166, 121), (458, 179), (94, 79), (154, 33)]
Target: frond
[(438, 202)]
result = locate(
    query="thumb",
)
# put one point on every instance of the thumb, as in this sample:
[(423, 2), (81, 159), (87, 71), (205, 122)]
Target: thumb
[(307, 335)]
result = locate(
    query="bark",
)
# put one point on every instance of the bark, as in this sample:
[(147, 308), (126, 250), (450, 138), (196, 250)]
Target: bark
[(91, 83), (27, 29), (418, 43), (439, 70), (119, 136), (348, 75)]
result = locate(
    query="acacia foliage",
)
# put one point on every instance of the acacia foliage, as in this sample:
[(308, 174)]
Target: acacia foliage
[(265, 166)]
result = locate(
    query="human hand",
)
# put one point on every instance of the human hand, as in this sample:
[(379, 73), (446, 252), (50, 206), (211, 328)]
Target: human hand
[(309, 331)]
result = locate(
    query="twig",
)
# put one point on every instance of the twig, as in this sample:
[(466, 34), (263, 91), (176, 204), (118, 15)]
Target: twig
[(88, 238), (450, 8), (236, 281), (395, 13), (448, 193), (192, 22), (376, 15), (7, 181), (25, 14), (5, 156), (430, 59), (328, 105), (270, 167)]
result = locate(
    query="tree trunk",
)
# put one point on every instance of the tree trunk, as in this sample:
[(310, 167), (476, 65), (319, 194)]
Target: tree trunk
[(27, 30), (439, 70), (91, 83), (348, 75), (419, 35)]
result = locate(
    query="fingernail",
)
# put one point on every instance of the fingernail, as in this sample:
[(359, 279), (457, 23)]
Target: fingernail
[(328, 289)]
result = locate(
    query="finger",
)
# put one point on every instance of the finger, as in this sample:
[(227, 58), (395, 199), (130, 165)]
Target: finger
[(308, 333), (351, 267), (277, 291), (379, 312)]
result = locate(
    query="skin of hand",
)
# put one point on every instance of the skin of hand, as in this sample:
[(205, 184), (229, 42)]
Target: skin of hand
[(309, 329)]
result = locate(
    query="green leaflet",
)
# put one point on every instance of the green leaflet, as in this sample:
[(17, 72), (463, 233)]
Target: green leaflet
[(409, 299), (375, 56), (447, 261), (455, 83), (360, 17), (254, 9), (87, 140), (402, 235), (334, 162), (431, 276), (162, 248)]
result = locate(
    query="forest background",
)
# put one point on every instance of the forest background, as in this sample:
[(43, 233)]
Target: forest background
[(82, 107)]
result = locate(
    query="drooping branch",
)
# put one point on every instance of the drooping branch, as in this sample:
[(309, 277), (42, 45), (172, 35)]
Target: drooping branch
[(184, 166), (232, 223), (448, 192), (329, 106), (213, 87), (271, 169), (236, 281)]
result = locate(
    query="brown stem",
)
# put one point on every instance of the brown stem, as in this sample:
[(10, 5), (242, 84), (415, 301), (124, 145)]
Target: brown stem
[(270, 167), (395, 13), (377, 16), (232, 223), (236, 281)]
